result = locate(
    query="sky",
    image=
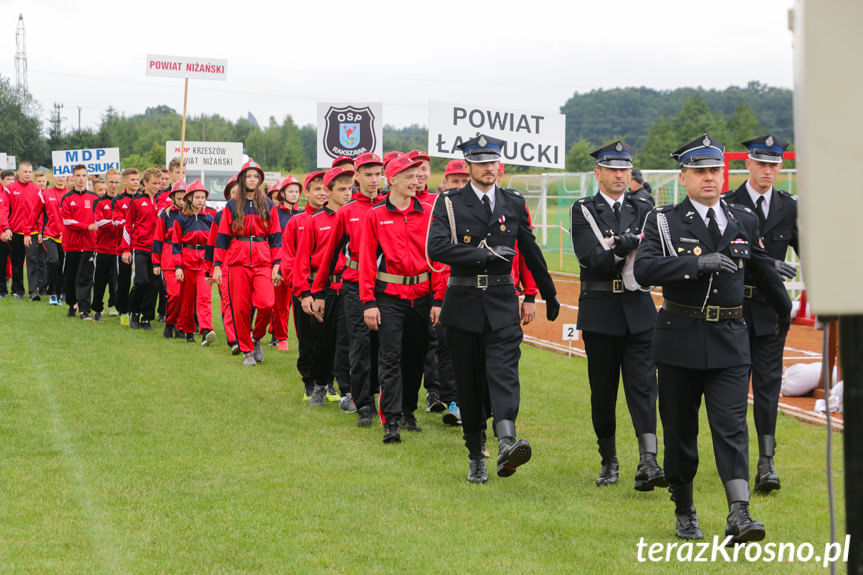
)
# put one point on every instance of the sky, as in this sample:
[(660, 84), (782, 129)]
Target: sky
[(284, 57)]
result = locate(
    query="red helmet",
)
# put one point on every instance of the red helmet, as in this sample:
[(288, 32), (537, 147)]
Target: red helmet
[(250, 165), (290, 180), (277, 187), (230, 183), (180, 186), (196, 186)]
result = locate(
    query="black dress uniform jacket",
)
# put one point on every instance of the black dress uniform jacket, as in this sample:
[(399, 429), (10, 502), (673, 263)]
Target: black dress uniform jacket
[(468, 308), (691, 342), (602, 311), (778, 232)]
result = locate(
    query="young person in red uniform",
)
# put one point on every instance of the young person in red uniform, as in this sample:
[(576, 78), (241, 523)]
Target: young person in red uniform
[(316, 197), (50, 236), (24, 205), (286, 194), (5, 235), (79, 237), (396, 291), (347, 234), (227, 316), (248, 248), (107, 244), (189, 234), (139, 231), (162, 255), (131, 183)]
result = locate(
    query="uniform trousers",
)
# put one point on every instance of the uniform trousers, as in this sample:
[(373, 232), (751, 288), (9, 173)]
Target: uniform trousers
[(766, 352), (227, 317), (147, 285), (195, 299), (78, 273), (53, 266), (363, 347), (124, 285), (250, 287), (305, 344), (106, 276), (36, 272), (17, 252), (281, 311)]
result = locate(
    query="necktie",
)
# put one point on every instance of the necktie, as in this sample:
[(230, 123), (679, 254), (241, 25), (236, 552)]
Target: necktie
[(759, 207), (616, 209), (486, 204), (713, 227)]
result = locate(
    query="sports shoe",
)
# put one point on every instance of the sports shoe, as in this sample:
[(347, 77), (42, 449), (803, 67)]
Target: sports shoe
[(392, 433), (19, 296), (433, 402), (209, 338), (235, 349), (35, 297), (347, 404), (53, 300), (318, 396), (124, 319), (97, 316), (145, 324), (112, 312), (134, 321), (258, 351), (364, 416), (273, 341), (452, 415), (86, 315), (249, 359), (409, 422), (161, 317), (283, 345), (331, 394), (71, 312), (168, 331), (190, 338)]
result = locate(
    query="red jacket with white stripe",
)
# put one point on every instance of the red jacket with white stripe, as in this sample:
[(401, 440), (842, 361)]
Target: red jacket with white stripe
[(77, 211), (162, 250), (311, 253), (290, 239), (4, 209), (189, 241), (24, 204), (107, 234), (139, 227), (257, 244), (394, 242), (49, 220)]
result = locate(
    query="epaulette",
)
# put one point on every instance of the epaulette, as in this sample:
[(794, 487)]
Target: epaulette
[(785, 194), (511, 192), (453, 191), (640, 199), (666, 208), (581, 201)]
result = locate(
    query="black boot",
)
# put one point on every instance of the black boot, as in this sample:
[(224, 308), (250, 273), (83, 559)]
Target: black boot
[(610, 469), (766, 480), (134, 321), (741, 526), (392, 434), (684, 511), (477, 472), (649, 474), (364, 416), (510, 453)]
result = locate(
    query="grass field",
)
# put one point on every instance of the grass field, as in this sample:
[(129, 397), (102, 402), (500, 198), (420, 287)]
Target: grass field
[(125, 453)]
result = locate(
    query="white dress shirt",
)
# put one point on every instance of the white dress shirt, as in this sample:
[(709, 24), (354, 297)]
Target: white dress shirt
[(479, 194), (721, 218), (754, 195)]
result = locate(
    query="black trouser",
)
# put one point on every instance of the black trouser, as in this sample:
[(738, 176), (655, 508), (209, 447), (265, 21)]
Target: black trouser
[(609, 356), (724, 391), (486, 372), (444, 362), (342, 361), (325, 344), (363, 343), (106, 275), (124, 282), (36, 274), (4, 257), (78, 273), (403, 337), (305, 339), (53, 266), (431, 373), (766, 352), (17, 252), (147, 285)]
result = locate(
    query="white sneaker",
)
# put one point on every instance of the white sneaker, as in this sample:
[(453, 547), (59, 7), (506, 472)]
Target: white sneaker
[(112, 312)]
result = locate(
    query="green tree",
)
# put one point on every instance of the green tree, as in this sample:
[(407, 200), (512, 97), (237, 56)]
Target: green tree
[(578, 158), (20, 126), (743, 125)]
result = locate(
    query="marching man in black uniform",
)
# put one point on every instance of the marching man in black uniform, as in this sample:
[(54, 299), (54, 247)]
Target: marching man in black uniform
[(698, 251), (617, 321), (777, 217), (474, 229)]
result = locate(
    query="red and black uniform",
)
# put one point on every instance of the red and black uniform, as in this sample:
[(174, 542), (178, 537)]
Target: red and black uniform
[(189, 237), (209, 255), (24, 207), (395, 278), (363, 343), (247, 258), (302, 322), (139, 231), (124, 270), (4, 246), (51, 227), (162, 255), (77, 210), (282, 305), (107, 250)]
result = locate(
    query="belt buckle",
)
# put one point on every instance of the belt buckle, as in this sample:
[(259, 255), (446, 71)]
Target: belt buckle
[(617, 285), (482, 281), (748, 292), (712, 313), (410, 280)]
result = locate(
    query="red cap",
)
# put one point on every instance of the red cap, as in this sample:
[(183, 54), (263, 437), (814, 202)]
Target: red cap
[(180, 186), (341, 159), (196, 186), (418, 155), (251, 165), (455, 167), (334, 173), (367, 159), (390, 156), (401, 164), (290, 180), (311, 176), (232, 181)]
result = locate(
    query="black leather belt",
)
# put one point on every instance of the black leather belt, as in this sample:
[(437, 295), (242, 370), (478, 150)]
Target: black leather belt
[(251, 239), (194, 247), (480, 281), (709, 313), (749, 292), (613, 286)]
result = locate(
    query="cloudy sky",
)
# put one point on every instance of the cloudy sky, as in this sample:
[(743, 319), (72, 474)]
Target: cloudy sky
[(284, 57)]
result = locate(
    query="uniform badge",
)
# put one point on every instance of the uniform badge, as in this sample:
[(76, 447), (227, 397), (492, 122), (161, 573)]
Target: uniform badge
[(467, 239), (706, 140), (769, 140), (696, 250), (482, 142), (619, 147), (502, 228), (679, 250)]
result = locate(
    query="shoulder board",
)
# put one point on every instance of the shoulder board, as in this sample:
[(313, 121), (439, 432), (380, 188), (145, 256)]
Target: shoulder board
[(511, 192), (741, 208), (666, 208), (640, 199), (785, 194), (452, 191)]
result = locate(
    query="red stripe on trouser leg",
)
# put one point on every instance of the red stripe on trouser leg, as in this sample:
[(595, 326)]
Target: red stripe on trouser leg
[(227, 315), (172, 290), (250, 287), (204, 301), (263, 298), (281, 312)]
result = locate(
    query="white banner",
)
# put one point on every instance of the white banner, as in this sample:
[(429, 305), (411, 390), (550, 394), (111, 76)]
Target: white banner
[(272, 178), (207, 156), (348, 130), (97, 160), (11, 163), (3, 161), (532, 139), (186, 67)]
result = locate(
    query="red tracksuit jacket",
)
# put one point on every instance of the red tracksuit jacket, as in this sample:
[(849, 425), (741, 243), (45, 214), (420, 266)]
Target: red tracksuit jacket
[(189, 241), (107, 234), (139, 228), (311, 253), (395, 242), (49, 219), (265, 247), (77, 211), (290, 238), (162, 250), (4, 209), (24, 205)]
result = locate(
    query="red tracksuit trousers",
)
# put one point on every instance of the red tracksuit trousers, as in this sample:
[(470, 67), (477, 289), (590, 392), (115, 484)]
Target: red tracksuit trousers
[(247, 288), (281, 312), (195, 297)]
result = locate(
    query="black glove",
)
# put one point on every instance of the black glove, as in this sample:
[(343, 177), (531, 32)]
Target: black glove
[(552, 308), (716, 263), (783, 323), (625, 243), (505, 253), (785, 270)]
